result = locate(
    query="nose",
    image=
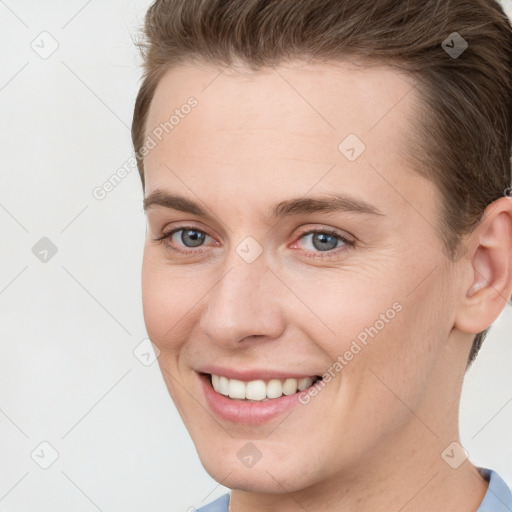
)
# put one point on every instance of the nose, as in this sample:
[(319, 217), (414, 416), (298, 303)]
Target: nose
[(245, 303)]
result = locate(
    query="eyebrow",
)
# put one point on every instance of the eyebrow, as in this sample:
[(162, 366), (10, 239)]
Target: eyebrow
[(298, 206)]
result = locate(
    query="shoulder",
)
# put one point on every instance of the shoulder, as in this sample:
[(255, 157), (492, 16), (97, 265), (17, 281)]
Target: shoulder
[(219, 505), (498, 497)]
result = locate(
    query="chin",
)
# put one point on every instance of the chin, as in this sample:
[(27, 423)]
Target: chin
[(268, 476), (251, 480)]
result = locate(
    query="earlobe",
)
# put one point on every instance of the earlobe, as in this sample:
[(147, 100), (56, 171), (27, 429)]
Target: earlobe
[(491, 267)]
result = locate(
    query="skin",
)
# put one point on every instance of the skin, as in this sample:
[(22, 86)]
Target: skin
[(372, 438)]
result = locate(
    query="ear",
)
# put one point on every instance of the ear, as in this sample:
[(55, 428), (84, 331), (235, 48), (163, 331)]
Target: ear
[(488, 286)]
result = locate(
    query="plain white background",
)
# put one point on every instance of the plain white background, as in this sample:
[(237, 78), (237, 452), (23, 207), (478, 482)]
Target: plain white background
[(71, 315)]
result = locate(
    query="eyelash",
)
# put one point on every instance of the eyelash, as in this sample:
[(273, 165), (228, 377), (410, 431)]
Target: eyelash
[(349, 244)]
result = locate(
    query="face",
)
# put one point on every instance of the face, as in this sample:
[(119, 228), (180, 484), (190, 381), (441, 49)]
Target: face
[(298, 242)]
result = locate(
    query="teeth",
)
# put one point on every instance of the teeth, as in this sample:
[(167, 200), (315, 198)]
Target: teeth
[(224, 385), (256, 390), (290, 386), (274, 389), (236, 389), (259, 390), (304, 383)]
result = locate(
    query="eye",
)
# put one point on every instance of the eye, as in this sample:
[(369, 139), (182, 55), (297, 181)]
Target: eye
[(188, 237), (324, 242)]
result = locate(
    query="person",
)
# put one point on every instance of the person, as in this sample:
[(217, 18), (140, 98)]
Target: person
[(329, 239)]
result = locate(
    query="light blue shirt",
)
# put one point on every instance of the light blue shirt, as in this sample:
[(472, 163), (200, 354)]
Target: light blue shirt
[(498, 497)]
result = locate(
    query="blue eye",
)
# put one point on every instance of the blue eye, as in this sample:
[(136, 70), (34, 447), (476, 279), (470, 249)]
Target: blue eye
[(325, 243), (322, 240), (190, 237), (194, 237)]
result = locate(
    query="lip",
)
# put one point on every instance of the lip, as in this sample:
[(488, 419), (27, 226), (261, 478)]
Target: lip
[(245, 412), (252, 374)]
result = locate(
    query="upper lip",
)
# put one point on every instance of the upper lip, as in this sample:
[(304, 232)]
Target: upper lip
[(252, 373)]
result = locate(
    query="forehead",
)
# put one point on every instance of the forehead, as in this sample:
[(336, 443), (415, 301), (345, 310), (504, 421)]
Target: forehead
[(294, 102), (283, 128), (329, 97)]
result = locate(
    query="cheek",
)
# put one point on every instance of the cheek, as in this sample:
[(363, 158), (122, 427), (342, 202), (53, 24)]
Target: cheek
[(399, 359), (380, 328), (359, 309), (168, 299)]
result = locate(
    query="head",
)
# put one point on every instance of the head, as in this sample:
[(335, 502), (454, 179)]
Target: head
[(248, 105)]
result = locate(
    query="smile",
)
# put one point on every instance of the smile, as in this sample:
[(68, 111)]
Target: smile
[(261, 396), (260, 390)]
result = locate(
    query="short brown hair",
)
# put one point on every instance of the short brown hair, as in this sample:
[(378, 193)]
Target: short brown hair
[(462, 140)]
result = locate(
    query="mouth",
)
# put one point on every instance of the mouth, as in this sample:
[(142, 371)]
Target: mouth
[(253, 402), (259, 390)]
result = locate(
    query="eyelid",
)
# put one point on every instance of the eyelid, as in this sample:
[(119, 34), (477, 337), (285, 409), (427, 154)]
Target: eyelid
[(169, 233), (322, 229), (169, 230)]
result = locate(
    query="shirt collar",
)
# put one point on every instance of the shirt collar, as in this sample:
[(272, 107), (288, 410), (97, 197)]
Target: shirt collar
[(498, 497)]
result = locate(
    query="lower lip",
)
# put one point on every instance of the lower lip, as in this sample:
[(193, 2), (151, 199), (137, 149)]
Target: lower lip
[(242, 411)]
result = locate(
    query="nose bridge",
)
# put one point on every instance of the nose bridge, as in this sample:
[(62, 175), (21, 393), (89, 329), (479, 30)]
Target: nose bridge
[(243, 302)]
